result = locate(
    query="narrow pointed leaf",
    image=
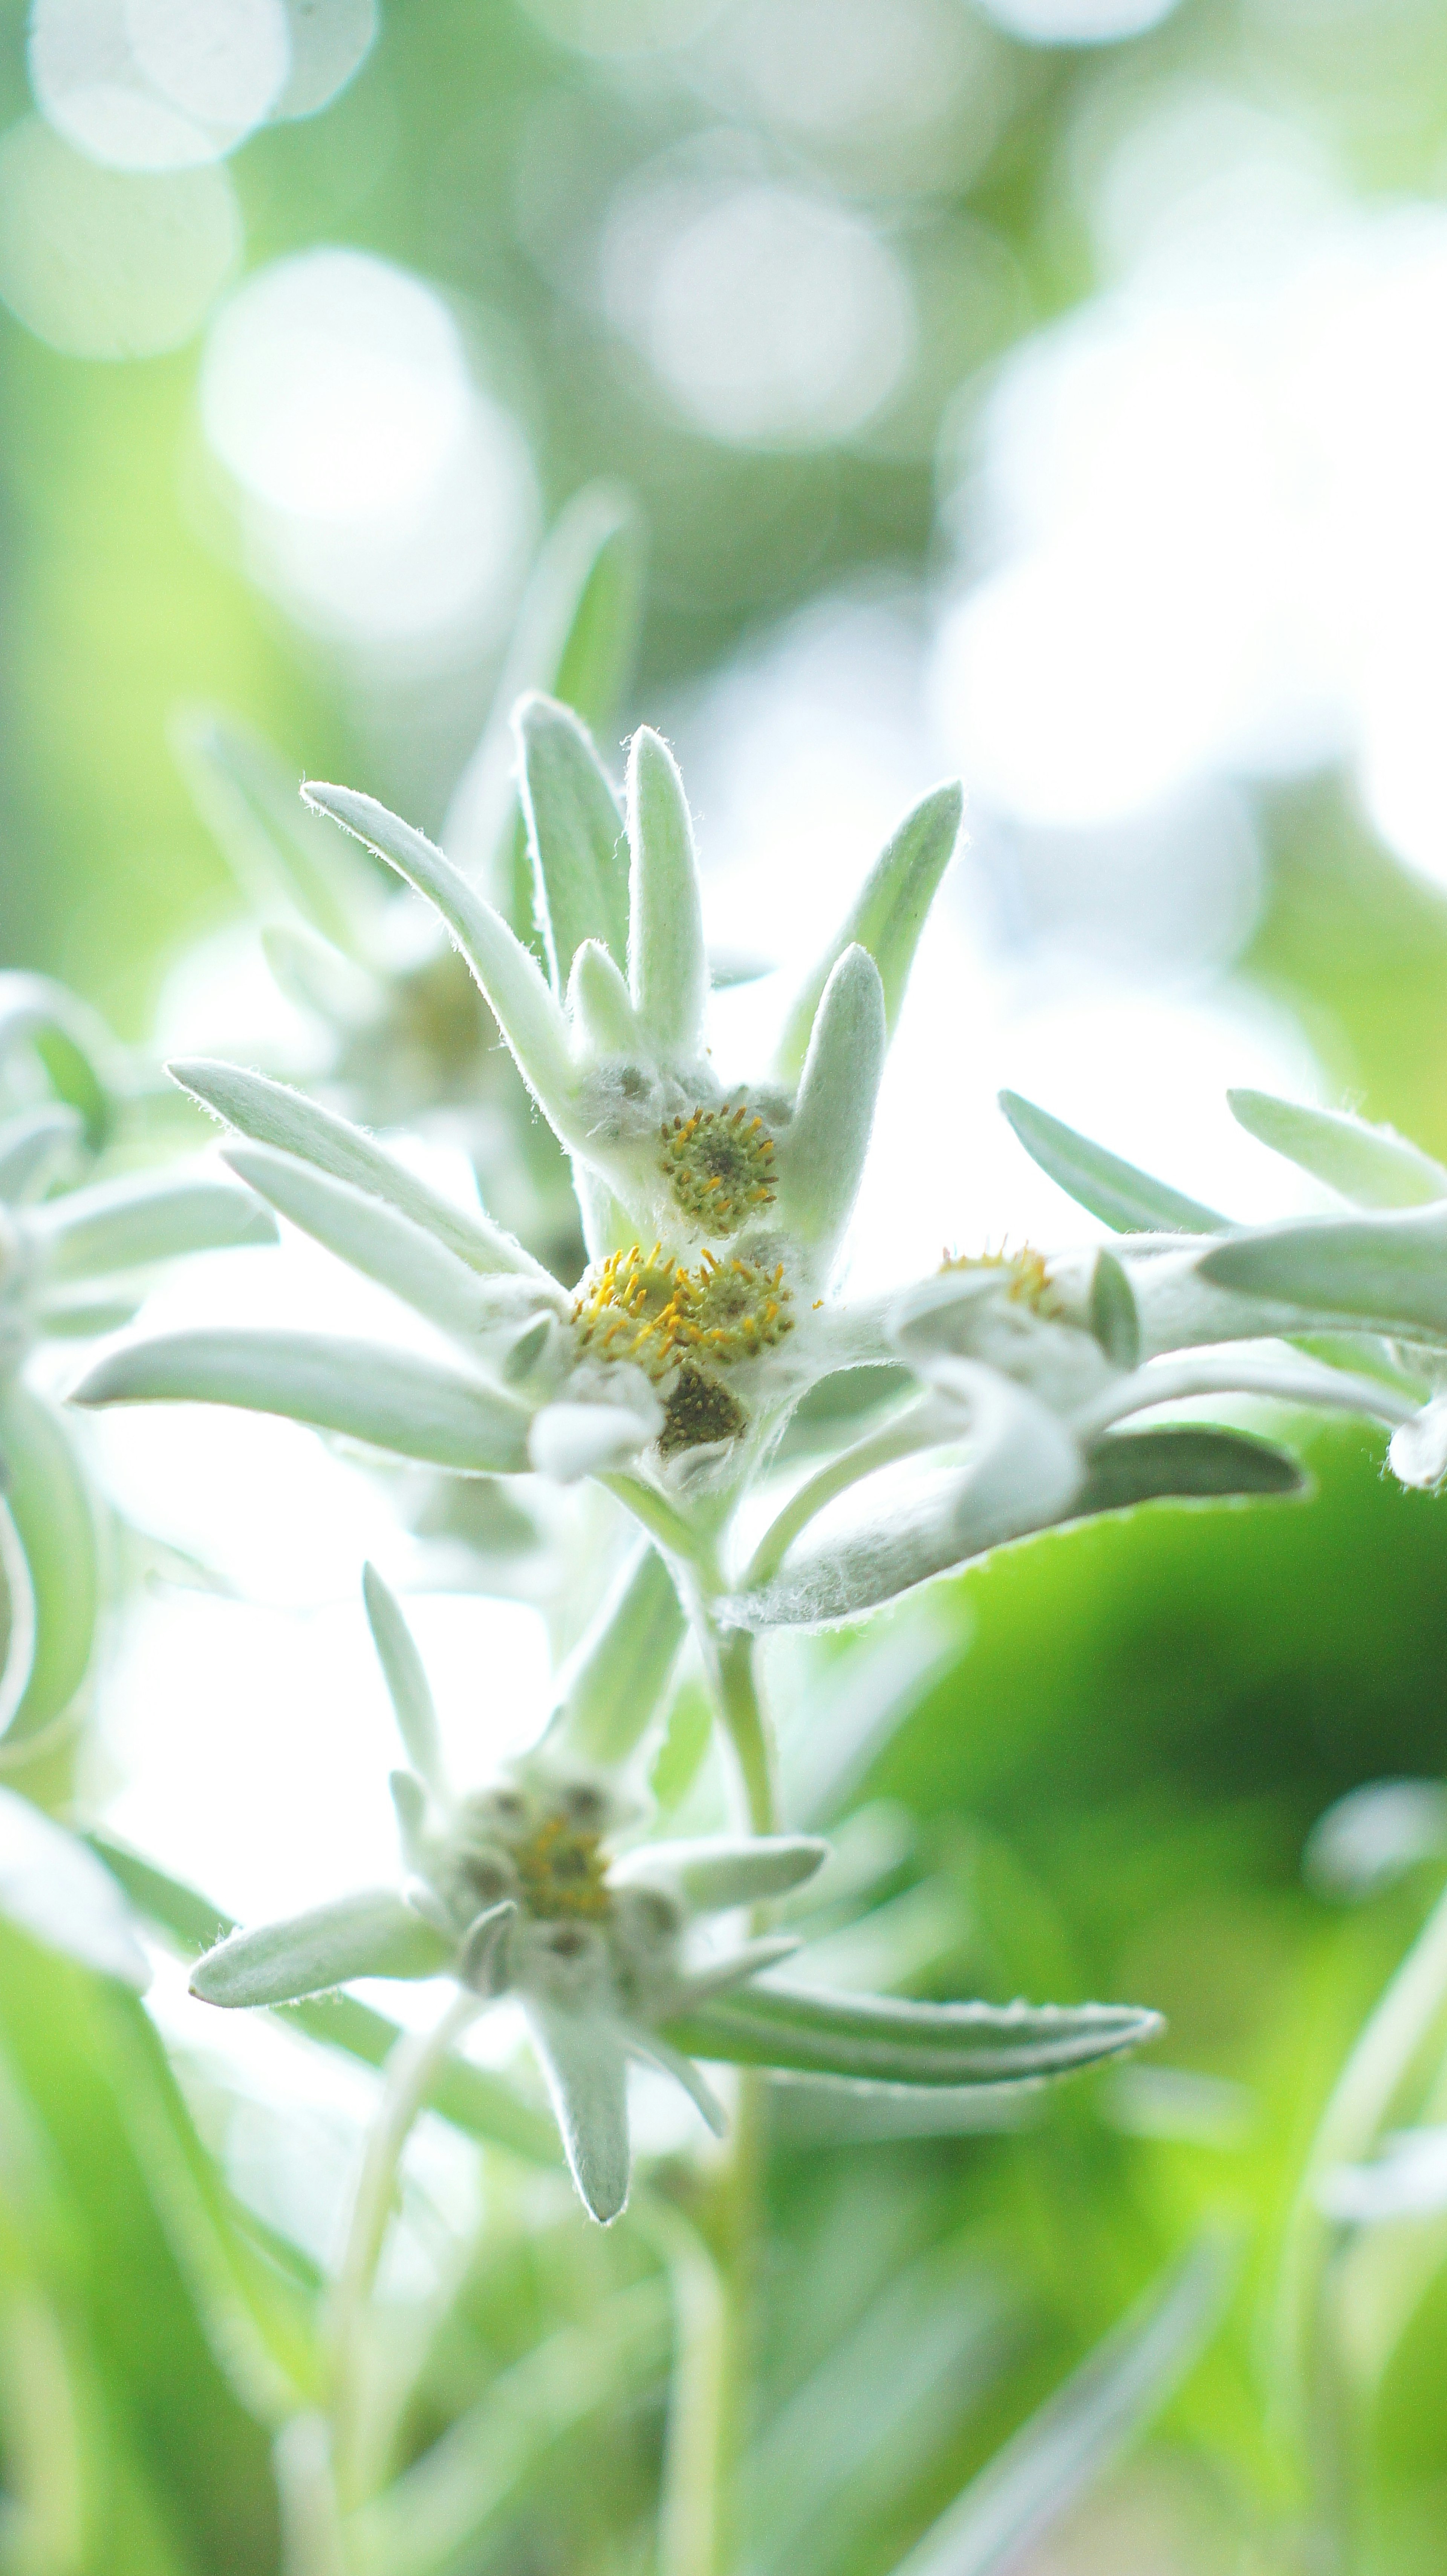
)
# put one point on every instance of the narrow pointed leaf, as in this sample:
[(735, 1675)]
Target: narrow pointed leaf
[(822, 1151), (529, 1017), (725, 1871), (1111, 1189), (1185, 1460), (247, 798), (587, 2073), (667, 961), (882, 2040), (56, 1889), (362, 1390), (723, 1976), (479, 2104), (1372, 1166), (375, 1238), (888, 916), (272, 1114), (598, 1004), (406, 1678), (612, 1683), (1113, 1316), (34, 1149), (120, 1225), (1080, 2431), (575, 835), (1389, 1269), (370, 1935)]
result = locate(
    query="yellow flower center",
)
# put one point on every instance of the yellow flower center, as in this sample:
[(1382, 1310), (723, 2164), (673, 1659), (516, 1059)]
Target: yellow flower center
[(562, 1873), (1024, 1273), (719, 1165), (638, 1306)]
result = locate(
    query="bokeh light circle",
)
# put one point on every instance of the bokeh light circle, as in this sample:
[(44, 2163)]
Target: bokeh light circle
[(105, 264), (775, 316), (158, 84), (622, 27), (1076, 22)]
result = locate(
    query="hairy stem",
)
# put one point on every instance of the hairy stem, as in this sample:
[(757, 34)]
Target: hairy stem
[(897, 1440), (409, 2072)]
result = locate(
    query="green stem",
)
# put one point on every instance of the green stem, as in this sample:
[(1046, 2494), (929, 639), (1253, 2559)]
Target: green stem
[(689, 2538), (409, 2072), (729, 1655)]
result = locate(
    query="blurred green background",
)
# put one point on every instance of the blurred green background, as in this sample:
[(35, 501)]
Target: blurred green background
[(1110, 1776)]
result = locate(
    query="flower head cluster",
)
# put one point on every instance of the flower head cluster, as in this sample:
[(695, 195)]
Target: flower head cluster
[(713, 1220), (518, 1888)]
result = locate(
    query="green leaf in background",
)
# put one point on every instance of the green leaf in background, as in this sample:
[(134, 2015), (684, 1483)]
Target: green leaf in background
[(75, 1047), (279, 853), (1078, 2432), (613, 1682), (1111, 1189), (54, 1888), (887, 918), (1373, 1166), (34, 1147), (386, 1398), (49, 1502), (880, 2040)]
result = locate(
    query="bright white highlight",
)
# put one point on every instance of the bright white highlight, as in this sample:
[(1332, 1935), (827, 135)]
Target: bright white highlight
[(1076, 22), (775, 317), (1216, 517), (384, 495), (105, 266), (158, 84)]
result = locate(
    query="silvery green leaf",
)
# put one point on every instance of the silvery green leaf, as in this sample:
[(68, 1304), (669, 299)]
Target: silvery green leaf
[(1372, 1166), (362, 1390), (1185, 1461), (667, 962), (17, 1605), (575, 835), (568, 1441), (725, 1871), (409, 1806), (722, 1976), (881, 2039), (119, 1225), (598, 1005), (480, 1958), (587, 2074), (1067, 2444), (319, 979), (1111, 1189), (55, 1889), (74, 1045), (34, 1149), (406, 1678), (272, 1114), (528, 1015), (1113, 1316), (1286, 1376), (574, 639), (1418, 1450), (654, 2050), (372, 1934), (910, 1523), (50, 1504), (1373, 1836), (1388, 1269), (277, 852), (887, 917), (375, 1238), (84, 1315), (617, 1674), (822, 1151)]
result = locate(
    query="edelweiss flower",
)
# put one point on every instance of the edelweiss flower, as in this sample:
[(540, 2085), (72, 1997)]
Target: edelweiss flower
[(713, 1217)]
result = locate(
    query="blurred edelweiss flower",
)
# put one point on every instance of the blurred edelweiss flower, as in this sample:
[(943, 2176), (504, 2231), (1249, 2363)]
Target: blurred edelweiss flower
[(521, 1888), (714, 1218)]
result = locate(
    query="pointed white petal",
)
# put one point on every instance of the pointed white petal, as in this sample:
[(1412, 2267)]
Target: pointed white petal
[(822, 1151), (406, 1679), (667, 962), (583, 2059), (369, 1935)]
